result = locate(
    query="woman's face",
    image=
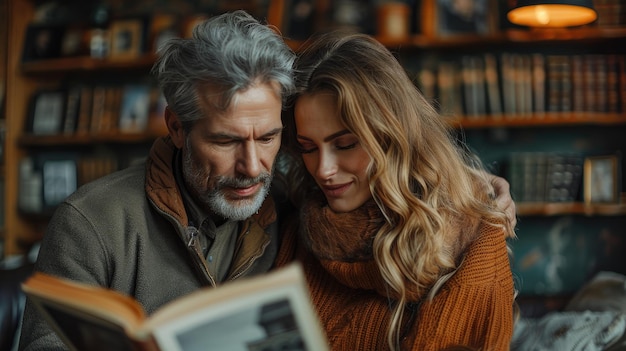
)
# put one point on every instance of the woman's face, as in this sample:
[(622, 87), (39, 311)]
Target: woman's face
[(331, 154)]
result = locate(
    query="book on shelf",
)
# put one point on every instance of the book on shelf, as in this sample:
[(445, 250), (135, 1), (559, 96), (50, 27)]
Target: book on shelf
[(492, 80), (98, 108), (559, 83), (449, 89), (545, 176), (578, 83), (612, 83), (473, 76), (72, 110), (134, 108), (508, 84), (84, 110), (538, 84), (622, 82), (611, 13), (427, 80), (267, 312)]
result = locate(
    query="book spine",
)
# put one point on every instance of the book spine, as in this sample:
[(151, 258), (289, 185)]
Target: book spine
[(492, 79), (539, 84)]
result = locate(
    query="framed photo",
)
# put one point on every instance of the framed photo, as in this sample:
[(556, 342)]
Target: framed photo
[(135, 108), (353, 15), (299, 19), (601, 179), (75, 42), (47, 112), (127, 38), (253, 7), (42, 42), (460, 17), (190, 22), (163, 27), (156, 120), (58, 179)]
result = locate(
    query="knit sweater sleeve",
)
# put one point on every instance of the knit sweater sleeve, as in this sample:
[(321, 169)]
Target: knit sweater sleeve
[(475, 307)]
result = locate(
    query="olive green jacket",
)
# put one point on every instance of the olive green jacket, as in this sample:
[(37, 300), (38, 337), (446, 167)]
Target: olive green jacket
[(128, 231)]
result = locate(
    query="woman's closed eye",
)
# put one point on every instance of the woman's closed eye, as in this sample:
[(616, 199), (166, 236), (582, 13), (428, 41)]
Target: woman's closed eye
[(307, 148), (345, 146)]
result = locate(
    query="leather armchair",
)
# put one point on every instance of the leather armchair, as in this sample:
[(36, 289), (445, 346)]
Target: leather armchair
[(12, 299)]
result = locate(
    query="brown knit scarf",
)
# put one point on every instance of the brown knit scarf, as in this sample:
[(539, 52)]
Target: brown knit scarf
[(342, 242)]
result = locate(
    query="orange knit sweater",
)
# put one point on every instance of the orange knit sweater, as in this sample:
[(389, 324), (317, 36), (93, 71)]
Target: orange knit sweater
[(474, 308)]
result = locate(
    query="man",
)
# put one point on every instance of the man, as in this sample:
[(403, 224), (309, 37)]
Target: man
[(198, 213)]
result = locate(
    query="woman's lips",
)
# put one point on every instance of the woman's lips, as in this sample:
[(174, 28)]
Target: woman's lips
[(336, 190)]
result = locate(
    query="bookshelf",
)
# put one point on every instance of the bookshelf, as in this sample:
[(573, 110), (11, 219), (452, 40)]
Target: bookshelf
[(495, 136), (92, 153), (4, 33)]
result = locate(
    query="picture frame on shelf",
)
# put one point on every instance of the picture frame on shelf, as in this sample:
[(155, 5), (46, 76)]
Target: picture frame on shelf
[(163, 27), (59, 180), (156, 121), (75, 42), (601, 182), (47, 112), (460, 17), (135, 108), (190, 22), (351, 15), (298, 22), (254, 7), (30, 199), (126, 38), (42, 42)]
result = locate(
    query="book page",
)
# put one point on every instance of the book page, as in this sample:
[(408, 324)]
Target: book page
[(269, 312), (100, 302)]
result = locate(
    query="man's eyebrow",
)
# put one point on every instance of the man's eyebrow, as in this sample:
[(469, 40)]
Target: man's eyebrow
[(274, 131), (216, 136), (328, 138)]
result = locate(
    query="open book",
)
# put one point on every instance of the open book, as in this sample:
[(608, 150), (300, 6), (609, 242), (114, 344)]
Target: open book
[(268, 312)]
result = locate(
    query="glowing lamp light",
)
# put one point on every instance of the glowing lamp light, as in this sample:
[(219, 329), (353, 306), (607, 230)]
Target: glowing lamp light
[(555, 13)]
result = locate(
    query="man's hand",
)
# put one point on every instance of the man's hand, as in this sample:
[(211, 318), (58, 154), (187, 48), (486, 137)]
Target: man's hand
[(503, 198)]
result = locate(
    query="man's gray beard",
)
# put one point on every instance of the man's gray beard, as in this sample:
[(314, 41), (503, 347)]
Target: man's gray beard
[(245, 208), (215, 199)]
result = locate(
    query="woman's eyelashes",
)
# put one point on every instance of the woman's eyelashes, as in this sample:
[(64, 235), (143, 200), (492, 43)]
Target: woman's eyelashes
[(307, 147)]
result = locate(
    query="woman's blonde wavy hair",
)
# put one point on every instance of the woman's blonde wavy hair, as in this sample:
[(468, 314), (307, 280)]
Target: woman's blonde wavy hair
[(431, 191)]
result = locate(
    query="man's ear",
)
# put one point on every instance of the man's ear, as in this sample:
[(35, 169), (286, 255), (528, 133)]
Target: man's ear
[(174, 128)]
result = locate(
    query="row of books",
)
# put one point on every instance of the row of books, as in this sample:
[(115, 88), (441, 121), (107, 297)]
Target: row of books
[(521, 84), (611, 13), (545, 176), (96, 109)]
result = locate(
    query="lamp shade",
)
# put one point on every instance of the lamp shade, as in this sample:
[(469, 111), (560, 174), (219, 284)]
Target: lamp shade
[(552, 13)]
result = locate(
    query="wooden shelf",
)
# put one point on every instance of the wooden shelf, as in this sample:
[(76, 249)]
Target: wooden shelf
[(570, 208), (31, 140), (565, 34), (419, 41), (545, 120), (84, 64), (513, 36)]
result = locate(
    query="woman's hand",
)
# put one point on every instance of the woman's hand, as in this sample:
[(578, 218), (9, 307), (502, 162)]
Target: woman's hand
[(503, 198)]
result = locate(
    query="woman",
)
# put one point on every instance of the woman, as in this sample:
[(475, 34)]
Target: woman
[(400, 236)]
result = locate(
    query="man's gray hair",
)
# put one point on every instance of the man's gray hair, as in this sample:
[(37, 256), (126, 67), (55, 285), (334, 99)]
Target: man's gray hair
[(226, 53)]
